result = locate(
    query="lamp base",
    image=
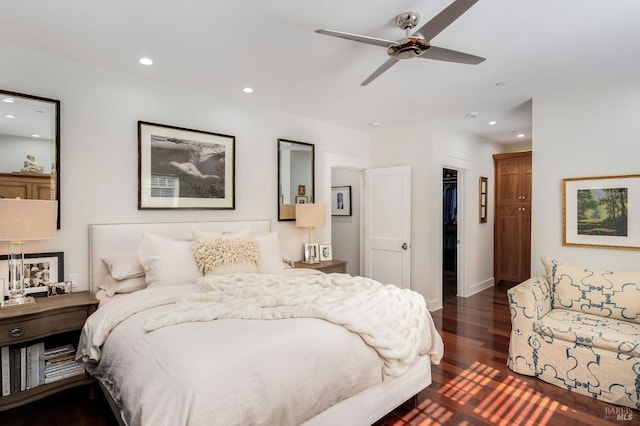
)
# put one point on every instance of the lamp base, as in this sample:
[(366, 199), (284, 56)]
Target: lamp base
[(311, 261), (18, 301)]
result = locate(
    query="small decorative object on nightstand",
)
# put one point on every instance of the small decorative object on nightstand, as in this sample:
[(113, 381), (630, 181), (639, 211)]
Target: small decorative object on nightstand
[(32, 333), (328, 267)]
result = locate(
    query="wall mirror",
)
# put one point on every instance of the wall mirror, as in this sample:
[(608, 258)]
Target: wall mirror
[(296, 173), (29, 147)]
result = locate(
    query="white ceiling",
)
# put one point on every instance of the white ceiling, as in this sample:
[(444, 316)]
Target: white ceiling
[(219, 47)]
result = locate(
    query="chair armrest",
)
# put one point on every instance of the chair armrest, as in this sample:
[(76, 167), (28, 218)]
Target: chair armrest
[(529, 301)]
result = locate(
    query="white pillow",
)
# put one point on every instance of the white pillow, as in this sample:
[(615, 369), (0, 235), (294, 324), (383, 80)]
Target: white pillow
[(166, 261), (270, 254), (124, 265), (112, 286), (210, 236)]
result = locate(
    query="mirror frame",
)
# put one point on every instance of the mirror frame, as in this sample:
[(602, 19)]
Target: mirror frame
[(313, 176), (56, 104)]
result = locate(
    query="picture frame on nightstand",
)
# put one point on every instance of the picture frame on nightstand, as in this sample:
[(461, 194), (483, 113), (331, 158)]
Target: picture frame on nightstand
[(326, 253), (41, 269)]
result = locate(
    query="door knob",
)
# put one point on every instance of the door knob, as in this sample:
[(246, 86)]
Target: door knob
[(405, 246)]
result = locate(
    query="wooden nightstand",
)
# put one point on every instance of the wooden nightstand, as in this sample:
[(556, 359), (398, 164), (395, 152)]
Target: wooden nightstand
[(328, 266), (55, 321)]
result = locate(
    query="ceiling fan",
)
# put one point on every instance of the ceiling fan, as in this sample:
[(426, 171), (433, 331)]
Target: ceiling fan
[(416, 45)]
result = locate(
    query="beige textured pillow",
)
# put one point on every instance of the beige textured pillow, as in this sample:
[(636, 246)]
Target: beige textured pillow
[(227, 256)]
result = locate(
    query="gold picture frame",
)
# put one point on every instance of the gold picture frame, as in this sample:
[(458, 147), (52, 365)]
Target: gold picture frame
[(598, 212)]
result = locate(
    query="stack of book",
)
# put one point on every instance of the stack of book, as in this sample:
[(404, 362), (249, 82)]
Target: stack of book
[(59, 363), (25, 367)]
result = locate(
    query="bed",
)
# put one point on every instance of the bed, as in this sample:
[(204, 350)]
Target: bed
[(171, 347)]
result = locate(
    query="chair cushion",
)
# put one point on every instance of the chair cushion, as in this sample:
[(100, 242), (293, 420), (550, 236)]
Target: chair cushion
[(591, 330), (613, 295)]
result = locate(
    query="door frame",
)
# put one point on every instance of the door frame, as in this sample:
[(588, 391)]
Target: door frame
[(462, 167), (329, 161)]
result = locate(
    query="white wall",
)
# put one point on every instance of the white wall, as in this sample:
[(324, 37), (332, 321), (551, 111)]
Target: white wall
[(426, 147), (345, 230), (474, 157), (580, 133), (99, 153)]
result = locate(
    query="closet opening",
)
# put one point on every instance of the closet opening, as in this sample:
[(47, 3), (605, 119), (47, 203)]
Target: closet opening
[(449, 233)]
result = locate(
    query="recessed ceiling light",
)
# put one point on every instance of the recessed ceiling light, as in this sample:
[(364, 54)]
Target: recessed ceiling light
[(247, 90), (9, 116), (9, 100), (491, 123), (520, 135), (35, 135), (145, 61)]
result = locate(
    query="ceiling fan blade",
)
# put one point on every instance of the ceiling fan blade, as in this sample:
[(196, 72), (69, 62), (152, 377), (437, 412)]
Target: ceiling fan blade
[(357, 37), (442, 54), (382, 68), (445, 18)]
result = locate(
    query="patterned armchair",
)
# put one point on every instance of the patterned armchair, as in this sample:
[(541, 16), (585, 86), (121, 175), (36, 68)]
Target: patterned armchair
[(580, 330)]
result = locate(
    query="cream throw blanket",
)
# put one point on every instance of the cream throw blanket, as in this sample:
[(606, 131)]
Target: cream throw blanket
[(389, 319)]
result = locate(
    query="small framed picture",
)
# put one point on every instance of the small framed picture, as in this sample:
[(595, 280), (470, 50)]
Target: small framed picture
[(325, 252), (40, 269), (302, 190), (341, 200), (311, 252), (60, 288), (302, 199)]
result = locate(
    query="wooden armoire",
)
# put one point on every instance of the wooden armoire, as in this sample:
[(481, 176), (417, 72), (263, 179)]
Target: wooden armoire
[(512, 225)]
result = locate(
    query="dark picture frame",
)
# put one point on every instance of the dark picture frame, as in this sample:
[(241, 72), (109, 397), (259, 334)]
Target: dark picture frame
[(484, 194), (341, 200), (181, 168), (601, 212), (42, 269)]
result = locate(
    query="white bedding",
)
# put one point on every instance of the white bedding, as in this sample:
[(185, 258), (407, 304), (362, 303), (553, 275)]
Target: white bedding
[(228, 371)]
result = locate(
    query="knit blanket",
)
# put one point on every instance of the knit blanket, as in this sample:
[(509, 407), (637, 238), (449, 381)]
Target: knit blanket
[(389, 319)]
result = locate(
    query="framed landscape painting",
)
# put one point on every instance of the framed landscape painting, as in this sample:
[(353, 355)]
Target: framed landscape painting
[(184, 169), (602, 212)]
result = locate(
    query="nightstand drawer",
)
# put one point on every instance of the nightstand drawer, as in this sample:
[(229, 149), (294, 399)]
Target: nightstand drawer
[(41, 326), (334, 268), (327, 266)]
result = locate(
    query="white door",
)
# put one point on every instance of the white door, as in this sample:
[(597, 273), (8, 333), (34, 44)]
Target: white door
[(387, 241)]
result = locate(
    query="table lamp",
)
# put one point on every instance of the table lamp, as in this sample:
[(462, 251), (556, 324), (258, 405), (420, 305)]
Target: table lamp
[(309, 216), (22, 220)]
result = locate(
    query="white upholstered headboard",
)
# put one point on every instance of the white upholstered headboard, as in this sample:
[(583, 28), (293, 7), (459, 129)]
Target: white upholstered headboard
[(107, 239)]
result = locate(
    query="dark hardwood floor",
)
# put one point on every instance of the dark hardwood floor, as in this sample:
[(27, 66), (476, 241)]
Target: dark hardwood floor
[(471, 386)]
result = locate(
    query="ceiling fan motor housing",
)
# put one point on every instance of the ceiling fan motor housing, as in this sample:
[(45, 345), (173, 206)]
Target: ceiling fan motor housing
[(408, 48)]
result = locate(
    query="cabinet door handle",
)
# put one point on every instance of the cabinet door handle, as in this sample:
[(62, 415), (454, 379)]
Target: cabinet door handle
[(16, 332)]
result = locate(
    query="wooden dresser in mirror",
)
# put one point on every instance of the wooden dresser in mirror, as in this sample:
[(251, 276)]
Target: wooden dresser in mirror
[(29, 147)]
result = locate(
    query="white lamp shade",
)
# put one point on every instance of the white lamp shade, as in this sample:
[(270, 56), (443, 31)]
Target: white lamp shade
[(24, 220), (311, 215)]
